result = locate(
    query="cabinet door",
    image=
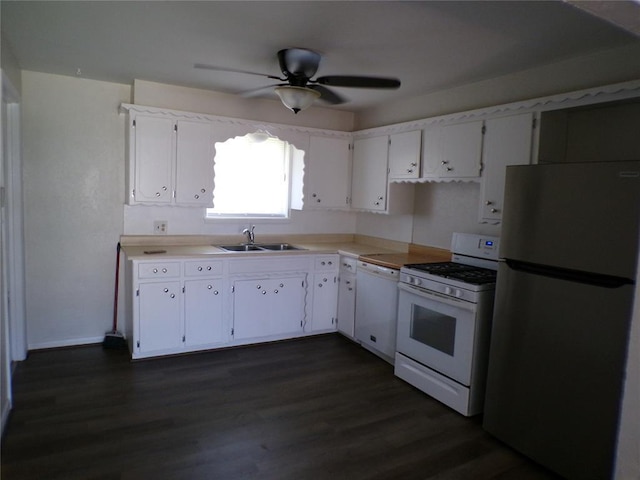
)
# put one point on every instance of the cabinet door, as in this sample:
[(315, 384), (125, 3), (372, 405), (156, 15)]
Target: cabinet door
[(286, 304), (325, 298), (194, 163), (154, 159), (432, 151), (369, 184), (160, 322), (328, 173), (268, 306), (508, 141), (404, 154), (461, 150), (203, 321), (347, 304)]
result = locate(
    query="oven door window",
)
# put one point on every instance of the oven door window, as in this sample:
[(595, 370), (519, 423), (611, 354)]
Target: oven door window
[(436, 332), (433, 329)]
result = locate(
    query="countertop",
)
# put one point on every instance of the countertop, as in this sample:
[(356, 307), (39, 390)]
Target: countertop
[(386, 253)]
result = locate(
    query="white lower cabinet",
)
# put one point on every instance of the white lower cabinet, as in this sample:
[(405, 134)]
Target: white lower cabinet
[(159, 320), (203, 315), (268, 307), (347, 296), (324, 283)]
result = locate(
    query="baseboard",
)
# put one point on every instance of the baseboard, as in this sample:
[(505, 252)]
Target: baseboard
[(66, 343)]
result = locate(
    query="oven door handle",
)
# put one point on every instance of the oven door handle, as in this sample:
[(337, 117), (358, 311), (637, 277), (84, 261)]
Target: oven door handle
[(437, 297)]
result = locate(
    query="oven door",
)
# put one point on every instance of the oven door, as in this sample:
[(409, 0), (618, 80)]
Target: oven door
[(437, 331)]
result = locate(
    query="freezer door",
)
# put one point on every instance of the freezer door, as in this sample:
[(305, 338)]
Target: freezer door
[(556, 363), (581, 216)]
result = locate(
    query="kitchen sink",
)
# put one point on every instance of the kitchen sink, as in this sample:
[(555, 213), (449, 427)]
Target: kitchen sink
[(279, 246), (259, 247), (240, 248)]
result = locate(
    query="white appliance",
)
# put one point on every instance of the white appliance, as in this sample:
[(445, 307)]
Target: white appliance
[(377, 309), (444, 323)]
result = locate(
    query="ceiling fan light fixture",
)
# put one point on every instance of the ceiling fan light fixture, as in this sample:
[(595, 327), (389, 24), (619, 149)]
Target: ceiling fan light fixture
[(297, 99)]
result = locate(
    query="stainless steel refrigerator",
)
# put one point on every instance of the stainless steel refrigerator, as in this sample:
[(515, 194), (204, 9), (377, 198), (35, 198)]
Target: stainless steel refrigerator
[(564, 294)]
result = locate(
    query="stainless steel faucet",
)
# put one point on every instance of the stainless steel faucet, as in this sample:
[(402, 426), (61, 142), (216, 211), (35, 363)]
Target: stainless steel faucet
[(250, 233)]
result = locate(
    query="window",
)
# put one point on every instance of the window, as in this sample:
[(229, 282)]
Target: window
[(251, 176)]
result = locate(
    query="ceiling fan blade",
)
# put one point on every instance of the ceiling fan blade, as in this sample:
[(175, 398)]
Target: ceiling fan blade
[(328, 96), (298, 62), (256, 91), (358, 82), (234, 70)]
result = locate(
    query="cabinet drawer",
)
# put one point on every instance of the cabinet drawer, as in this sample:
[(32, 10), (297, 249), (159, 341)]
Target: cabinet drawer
[(159, 270), (326, 262), (348, 264), (202, 268)]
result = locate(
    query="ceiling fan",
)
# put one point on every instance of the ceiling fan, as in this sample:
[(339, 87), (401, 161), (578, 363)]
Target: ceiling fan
[(298, 65)]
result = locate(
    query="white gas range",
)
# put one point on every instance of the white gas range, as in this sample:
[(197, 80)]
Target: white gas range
[(444, 323)]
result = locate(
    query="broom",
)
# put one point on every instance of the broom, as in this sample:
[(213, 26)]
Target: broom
[(114, 339)]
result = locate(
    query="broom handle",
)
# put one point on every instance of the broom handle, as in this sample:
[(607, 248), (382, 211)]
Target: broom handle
[(115, 294)]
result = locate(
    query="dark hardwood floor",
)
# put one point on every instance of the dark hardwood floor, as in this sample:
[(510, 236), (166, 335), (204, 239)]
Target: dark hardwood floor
[(316, 408)]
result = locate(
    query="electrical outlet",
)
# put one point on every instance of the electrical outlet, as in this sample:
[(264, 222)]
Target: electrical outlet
[(160, 227)]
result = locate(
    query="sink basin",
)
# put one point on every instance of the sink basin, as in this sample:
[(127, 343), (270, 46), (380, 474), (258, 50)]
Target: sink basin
[(272, 247), (279, 246), (239, 248)]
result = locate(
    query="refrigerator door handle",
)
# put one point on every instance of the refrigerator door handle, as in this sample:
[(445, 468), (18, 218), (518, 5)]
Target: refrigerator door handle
[(589, 278)]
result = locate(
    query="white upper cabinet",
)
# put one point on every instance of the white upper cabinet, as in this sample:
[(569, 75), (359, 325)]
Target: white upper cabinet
[(452, 152), (369, 187), (327, 173), (153, 148), (170, 161), (508, 141), (404, 154), (194, 163)]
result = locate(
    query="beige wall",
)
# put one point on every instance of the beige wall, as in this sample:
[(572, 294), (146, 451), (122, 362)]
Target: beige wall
[(73, 162)]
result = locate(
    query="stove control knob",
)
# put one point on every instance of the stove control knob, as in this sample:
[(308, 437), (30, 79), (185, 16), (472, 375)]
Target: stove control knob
[(448, 290), (417, 281), (458, 293)]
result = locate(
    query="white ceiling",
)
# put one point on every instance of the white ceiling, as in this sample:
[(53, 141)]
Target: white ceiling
[(428, 45)]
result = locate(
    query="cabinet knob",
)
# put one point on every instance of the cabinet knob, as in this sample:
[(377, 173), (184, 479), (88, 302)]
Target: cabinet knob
[(209, 267), (350, 289), (348, 282), (320, 285), (318, 200), (488, 202), (215, 292), (444, 162), (314, 195), (414, 164), (324, 280), (275, 291), (157, 194), (202, 190), (264, 292), (380, 197), (196, 196), (155, 270), (449, 169), (173, 295), (166, 290), (199, 269), (164, 270), (409, 170), (494, 210), (209, 287), (281, 285), (164, 189), (323, 263), (259, 287)]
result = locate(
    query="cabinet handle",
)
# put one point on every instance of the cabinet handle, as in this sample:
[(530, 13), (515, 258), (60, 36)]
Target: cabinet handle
[(215, 292), (380, 198), (173, 295), (449, 169), (275, 291), (348, 282), (488, 202), (196, 196), (281, 285), (209, 267), (350, 289), (322, 263), (264, 292), (444, 162), (199, 269), (318, 200), (157, 194), (209, 287), (202, 190), (314, 195), (413, 164), (164, 189), (324, 280), (330, 263), (320, 285), (166, 290), (409, 170), (494, 210), (155, 270), (164, 270), (259, 287)]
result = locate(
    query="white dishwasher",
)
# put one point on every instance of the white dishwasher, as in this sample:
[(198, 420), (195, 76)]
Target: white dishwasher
[(377, 309)]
